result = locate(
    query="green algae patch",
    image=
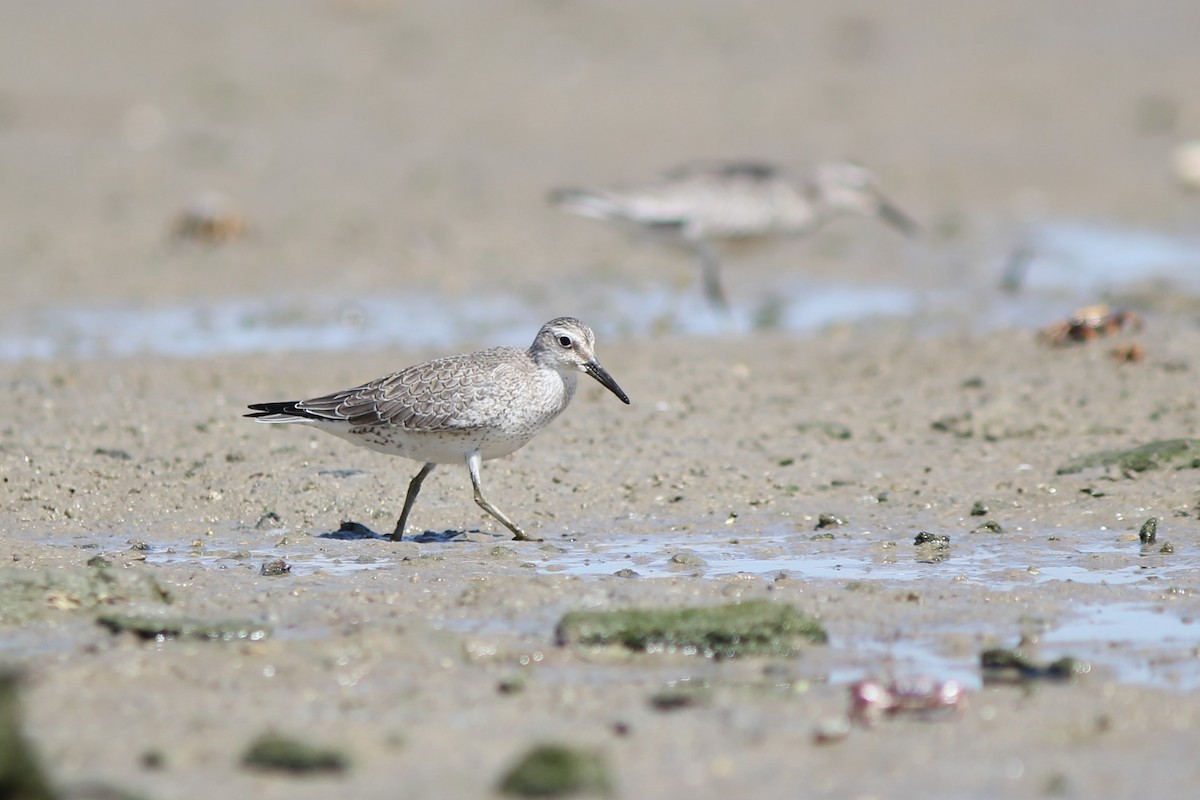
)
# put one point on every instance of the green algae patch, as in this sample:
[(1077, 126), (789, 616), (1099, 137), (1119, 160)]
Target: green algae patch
[(756, 628), (274, 751), (27, 595), (158, 628), (1163, 454), (1013, 665), (557, 771), (21, 774)]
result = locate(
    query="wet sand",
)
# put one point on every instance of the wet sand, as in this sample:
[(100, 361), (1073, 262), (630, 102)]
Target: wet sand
[(381, 149)]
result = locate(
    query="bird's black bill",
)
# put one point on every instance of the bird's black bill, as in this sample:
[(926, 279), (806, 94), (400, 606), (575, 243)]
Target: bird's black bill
[(898, 219), (598, 372)]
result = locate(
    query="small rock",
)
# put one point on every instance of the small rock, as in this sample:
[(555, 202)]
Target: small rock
[(829, 521), (925, 537), (356, 529), (980, 509), (686, 559), (275, 568), (1149, 532), (268, 520)]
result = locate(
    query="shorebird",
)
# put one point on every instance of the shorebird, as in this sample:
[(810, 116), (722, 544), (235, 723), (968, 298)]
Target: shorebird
[(700, 204), (463, 408)]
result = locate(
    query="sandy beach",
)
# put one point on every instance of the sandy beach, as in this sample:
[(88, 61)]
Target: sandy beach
[(397, 156)]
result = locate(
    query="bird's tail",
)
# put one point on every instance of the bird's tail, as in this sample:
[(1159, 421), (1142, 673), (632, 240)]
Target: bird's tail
[(588, 203), (289, 411)]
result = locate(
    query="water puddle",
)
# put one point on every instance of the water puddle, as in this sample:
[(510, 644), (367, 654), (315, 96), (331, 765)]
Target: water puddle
[(302, 558), (331, 324), (1146, 642), (1085, 256), (1136, 643), (880, 660), (1142, 643), (999, 565), (1059, 266)]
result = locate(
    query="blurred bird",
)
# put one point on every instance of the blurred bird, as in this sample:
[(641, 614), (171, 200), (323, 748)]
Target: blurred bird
[(703, 203)]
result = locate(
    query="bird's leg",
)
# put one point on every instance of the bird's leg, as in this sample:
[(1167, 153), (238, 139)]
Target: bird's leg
[(414, 486), (710, 272), (473, 462)]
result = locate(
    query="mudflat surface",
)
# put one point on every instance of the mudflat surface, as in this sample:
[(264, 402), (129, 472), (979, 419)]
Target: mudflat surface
[(379, 149)]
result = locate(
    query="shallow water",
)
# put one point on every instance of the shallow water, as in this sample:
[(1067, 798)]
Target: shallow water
[(995, 562), (1083, 256), (1135, 641), (335, 324), (1058, 266)]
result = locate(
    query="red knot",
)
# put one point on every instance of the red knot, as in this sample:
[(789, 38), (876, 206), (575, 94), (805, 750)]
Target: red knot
[(703, 203), (463, 408)]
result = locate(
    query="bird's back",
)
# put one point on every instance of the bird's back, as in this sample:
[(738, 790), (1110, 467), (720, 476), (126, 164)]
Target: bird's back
[(500, 387), (703, 199)]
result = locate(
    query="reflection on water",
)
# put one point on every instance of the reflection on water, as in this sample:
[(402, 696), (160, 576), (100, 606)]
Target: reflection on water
[(1060, 265)]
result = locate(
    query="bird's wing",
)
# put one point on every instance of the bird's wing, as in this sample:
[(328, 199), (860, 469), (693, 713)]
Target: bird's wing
[(456, 393), (723, 170)]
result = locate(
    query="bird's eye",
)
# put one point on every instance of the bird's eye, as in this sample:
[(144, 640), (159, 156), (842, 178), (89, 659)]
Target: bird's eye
[(565, 341)]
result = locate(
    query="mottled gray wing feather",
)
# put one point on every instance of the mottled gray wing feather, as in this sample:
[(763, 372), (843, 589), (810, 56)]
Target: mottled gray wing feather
[(447, 394)]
